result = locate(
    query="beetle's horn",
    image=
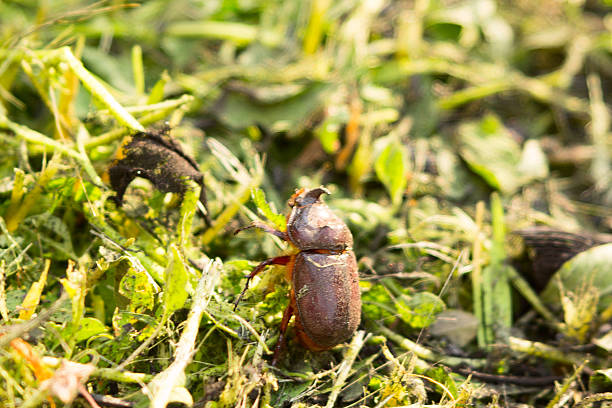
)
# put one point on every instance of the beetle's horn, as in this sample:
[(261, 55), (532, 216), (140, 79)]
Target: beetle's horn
[(312, 196)]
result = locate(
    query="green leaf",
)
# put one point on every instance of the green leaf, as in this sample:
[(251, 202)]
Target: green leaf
[(443, 376), (453, 176), (68, 188), (391, 170), (259, 199), (588, 269), (377, 303), (496, 293), (419, 310), (88, 327), (53, 232), (497, 302), (329, 130), (138, 289), (177, 278), (157, 92), (491, 152), (601, 381), (239, 110)]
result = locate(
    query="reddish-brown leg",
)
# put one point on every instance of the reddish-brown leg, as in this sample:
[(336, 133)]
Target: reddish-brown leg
[(266, 228), (280, 343), (278, 260)]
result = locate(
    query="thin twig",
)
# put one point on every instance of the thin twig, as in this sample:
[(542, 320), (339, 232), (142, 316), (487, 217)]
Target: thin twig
[(546, 352), (426, 353), (345, 367), (165, 382), (14, 331), (553, 402), (604, 396)]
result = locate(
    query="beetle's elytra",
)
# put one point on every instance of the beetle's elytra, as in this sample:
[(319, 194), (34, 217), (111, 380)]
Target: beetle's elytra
[(156, 157), (327, 298), (324, 297)]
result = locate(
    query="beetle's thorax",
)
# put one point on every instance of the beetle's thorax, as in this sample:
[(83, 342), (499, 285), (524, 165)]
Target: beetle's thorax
[(315, 226)]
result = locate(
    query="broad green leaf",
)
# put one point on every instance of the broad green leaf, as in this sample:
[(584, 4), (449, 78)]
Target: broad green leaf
[(491, 152), (177, 279), (116, 71), (138, 289), (453, 177), (329, 136), (424, 109), (239, 110), (125, 322), (419, 310), (391, 170), (259, 199), (588, 269), (88, 327), (601, 381), (329, 130), (377, 303)]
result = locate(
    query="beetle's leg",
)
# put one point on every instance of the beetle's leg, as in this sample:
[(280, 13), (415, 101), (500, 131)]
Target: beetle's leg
[(279, 260), (280, 343), (258, 224)]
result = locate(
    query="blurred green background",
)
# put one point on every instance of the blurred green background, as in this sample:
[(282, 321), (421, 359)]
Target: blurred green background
[(410, 112)]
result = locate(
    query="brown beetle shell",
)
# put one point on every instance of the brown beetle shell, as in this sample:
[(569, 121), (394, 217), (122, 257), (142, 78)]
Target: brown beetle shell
[(327, 298), (315, 226)]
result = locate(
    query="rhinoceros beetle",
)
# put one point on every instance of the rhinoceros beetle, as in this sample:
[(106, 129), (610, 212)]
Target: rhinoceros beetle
[(324, 296)]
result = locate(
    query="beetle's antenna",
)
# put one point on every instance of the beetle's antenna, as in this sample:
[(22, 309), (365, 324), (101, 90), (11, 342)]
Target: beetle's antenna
[(260, 225)]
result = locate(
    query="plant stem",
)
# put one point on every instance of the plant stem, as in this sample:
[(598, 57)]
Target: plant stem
[(345, 367), (427, 354), (98, 90), (14, 217), (477, 274), (172, 377)]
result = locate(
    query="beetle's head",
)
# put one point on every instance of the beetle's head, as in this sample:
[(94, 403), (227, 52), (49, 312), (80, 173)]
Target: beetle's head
[(304, 197)]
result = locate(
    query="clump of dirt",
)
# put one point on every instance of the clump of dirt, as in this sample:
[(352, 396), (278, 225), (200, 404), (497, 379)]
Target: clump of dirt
[(158, 158)]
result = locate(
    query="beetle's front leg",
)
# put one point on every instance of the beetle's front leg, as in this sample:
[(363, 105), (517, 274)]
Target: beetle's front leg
[(278, 260), (262, 226), (280, 343)]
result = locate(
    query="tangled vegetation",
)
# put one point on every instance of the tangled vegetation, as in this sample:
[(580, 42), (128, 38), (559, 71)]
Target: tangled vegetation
[(466, 143)]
